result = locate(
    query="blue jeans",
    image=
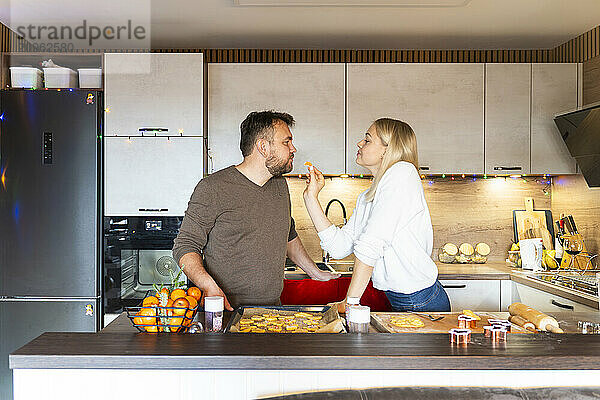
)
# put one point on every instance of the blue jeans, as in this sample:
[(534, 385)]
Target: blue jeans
[(433, 298)]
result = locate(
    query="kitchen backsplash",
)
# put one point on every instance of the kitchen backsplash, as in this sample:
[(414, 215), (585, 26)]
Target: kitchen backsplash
[(462, 210), (571, 195)]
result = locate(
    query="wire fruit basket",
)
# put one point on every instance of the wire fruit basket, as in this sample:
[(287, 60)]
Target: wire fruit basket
[(156, 319)]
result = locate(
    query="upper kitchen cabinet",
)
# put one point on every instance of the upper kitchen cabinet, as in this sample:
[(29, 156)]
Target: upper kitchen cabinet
[(443, 103), (153, 90), (150, 175), (312, 93), (553, 90), (507, 123)]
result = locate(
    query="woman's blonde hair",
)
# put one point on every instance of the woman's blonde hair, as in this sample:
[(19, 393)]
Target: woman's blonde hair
[(401, 145)]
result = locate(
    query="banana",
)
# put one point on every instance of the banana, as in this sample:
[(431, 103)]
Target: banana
[(550, 262)]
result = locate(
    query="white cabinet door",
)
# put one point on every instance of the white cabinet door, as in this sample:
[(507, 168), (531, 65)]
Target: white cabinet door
[(553, 90), (150, 175), (153, 91), (476, 295), (312, 93), (507, 129), (544, 301), (443, 103)]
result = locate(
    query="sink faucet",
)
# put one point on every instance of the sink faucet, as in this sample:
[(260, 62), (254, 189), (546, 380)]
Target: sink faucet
[(326, 255)]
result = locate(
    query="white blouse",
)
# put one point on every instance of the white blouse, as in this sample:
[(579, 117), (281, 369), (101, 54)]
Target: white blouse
[(393, 233)]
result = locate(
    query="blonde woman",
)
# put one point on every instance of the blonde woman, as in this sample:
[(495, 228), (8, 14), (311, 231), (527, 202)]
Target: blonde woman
[(390, 231)]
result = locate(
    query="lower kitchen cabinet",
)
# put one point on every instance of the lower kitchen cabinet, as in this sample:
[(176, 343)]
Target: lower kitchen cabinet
[(476, 295), (544, 301)]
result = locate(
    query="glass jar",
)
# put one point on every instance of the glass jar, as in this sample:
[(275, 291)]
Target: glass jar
[(359, 318), (350, 302), (213, 314)]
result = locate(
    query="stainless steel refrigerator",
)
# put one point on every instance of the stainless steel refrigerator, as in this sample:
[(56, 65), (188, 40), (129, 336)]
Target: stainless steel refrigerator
[(50, 208)]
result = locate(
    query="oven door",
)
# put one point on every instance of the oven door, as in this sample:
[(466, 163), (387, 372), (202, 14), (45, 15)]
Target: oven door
[(137, 256)]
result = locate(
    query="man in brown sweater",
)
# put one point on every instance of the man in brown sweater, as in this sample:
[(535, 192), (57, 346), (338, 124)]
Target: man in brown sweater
[(239, 218)]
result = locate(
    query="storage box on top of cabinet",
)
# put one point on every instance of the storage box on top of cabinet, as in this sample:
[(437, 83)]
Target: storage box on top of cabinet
[(154, 90), (26, 77), (60, 77)]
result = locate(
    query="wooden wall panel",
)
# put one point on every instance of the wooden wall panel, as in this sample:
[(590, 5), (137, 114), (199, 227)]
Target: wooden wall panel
[(571, 195), (591, 80), (462, 210)]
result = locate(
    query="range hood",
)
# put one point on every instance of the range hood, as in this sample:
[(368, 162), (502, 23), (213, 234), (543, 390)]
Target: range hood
[(581, 132)]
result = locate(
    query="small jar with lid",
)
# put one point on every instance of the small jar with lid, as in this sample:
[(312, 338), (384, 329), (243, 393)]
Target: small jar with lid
[(351, 302), (359, 318), (213, 313)]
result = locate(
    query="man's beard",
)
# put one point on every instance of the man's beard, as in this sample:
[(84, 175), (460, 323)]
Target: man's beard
[(277, 166)]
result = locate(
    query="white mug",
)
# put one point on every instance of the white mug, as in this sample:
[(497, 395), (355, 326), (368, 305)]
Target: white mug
[(531, 254)]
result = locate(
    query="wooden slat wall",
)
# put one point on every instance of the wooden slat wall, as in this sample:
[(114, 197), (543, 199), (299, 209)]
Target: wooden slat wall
[(580, 49), (10, 41), (370, 56)]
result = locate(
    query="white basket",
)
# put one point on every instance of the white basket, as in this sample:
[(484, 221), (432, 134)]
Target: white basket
[(60, 78), (90, 78), (25, 77)]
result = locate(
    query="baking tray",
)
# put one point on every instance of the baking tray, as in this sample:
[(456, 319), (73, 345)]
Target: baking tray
[(239, 311)]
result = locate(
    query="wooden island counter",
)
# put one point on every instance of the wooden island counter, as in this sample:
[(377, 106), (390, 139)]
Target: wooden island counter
[(119, 361)]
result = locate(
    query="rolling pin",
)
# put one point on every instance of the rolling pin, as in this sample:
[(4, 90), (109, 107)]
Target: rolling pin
[(522, 322), (541, 321)]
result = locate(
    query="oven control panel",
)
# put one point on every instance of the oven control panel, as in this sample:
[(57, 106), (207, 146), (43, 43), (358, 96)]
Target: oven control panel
[(152, 225)]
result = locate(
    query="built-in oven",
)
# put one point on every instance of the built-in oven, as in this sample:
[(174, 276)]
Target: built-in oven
[(137, 255)]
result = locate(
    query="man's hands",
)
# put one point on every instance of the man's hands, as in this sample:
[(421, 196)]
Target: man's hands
[(191, 264), (320, 275), (212, 289), (297, 253)]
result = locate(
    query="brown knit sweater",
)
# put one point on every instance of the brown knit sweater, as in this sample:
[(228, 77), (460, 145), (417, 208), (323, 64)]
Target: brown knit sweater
[(242, 230)]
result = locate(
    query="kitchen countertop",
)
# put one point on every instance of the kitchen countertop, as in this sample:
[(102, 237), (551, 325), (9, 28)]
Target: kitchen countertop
[(520, 276), (489, 270), (494, 270), (120, 346)]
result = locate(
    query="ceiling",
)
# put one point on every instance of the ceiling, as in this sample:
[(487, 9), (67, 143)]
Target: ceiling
[(478, 24), (481, 24)]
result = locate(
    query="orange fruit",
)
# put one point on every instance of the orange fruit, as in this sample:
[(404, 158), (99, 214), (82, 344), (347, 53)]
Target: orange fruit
[(148, 317), (177, 293), (195, 293), (193, 302), (175, 323), (150, 301), (164, 290), (137, 320), (181, 306), (192, 306)]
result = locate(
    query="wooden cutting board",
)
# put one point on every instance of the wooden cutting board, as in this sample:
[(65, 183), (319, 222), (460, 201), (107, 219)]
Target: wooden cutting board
[(381, 320), (530, 223)]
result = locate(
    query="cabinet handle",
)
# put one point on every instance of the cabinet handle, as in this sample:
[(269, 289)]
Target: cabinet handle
[(566, 306), (424, 167), (508, 168), (153, 209), (454, 286), (211, 161)]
